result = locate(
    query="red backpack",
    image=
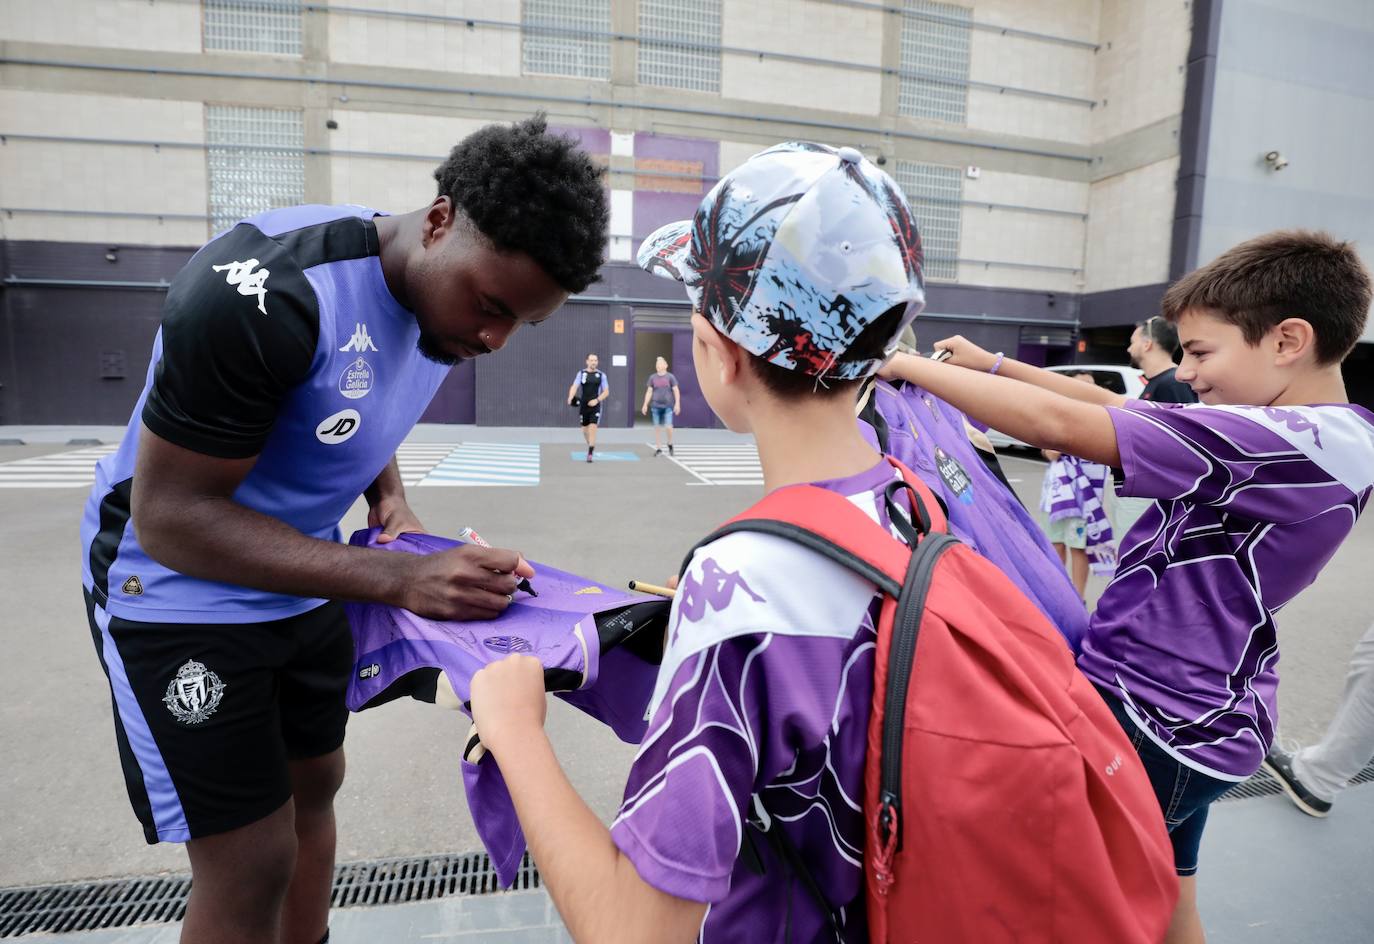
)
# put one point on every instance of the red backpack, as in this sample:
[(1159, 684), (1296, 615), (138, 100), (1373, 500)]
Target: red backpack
[(1003, 802)]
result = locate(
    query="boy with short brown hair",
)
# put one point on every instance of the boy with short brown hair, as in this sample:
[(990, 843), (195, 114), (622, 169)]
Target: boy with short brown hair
[(1256, 488)]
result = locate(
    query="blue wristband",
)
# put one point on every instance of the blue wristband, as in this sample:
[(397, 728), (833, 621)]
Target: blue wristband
[(997, 364)]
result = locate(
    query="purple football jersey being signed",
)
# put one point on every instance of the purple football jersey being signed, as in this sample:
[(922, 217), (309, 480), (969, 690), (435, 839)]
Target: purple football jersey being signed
[(559, 627), (1253, 501)]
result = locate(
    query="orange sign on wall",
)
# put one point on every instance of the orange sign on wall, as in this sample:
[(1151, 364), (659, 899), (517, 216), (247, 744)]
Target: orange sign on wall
[(618, 326)]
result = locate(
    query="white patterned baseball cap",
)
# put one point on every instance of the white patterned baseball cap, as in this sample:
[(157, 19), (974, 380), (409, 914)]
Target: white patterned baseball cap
[(794, 253)]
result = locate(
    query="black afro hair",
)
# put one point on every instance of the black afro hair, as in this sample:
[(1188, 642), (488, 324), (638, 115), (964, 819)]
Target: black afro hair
[(533, 192)]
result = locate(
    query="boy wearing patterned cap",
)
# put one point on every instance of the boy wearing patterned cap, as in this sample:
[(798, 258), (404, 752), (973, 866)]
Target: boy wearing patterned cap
[(803, 266)]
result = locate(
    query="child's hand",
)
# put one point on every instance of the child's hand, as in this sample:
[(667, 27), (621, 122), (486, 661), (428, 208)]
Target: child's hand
[(508, 702), (964, 353)]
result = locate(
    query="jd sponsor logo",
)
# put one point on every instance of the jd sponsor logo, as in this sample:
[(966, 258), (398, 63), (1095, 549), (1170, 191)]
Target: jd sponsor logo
[(356, 380), (338, 428)]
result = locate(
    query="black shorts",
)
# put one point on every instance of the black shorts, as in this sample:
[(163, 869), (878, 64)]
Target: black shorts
[(207, 716), (591, 417)]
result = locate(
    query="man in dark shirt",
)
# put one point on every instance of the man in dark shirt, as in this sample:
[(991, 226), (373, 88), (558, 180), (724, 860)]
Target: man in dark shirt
[(588, 391), (1152, 348), (296, 352)]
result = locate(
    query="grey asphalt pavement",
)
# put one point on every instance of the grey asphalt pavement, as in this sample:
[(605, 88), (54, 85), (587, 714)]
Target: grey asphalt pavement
[(67, 815)]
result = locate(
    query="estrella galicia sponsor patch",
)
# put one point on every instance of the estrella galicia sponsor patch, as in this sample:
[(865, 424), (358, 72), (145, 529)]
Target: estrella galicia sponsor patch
[(356, 380), (338, 427), (507, 644), (955, 477), (194, 694)]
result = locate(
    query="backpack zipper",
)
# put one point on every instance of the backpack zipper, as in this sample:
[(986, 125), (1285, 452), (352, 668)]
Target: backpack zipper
[(906, 627)]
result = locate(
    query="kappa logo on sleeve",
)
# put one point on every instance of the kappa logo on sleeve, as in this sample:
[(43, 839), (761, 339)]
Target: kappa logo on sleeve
[(248, 281), (338, 427), (715, 589)]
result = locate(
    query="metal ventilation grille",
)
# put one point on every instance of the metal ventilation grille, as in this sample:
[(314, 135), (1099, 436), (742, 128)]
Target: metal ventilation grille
[(936, 196), (1263, 784), (91, 906), (121, 903), (270, 26), (256, 161), (679, 44), (935, 47), (567, 37)]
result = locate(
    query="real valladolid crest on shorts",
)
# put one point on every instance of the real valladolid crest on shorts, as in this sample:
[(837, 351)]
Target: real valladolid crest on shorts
[(194, 694), (793, 253)]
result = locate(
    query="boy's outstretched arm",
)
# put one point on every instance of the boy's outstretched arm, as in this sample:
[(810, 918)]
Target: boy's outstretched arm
[(967, 354), (595, 887), (1032, 414)]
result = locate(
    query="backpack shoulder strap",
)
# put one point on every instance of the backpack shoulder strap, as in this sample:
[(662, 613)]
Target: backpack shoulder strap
[(826, 523), (834, 527)]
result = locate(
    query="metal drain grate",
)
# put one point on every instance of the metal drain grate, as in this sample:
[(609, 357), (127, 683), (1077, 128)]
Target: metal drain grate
[(89, 906), (121, 903), (391, 881), (1263, 784)]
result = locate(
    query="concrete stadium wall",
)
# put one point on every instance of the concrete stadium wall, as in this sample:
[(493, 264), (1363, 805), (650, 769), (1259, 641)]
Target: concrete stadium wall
[(1295, 77), (1072, 119)]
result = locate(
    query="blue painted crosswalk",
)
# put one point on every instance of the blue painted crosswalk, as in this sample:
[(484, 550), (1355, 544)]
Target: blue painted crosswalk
[(474, 463)]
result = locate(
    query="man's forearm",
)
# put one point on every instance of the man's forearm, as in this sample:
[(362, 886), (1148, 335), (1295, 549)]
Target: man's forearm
[(386, 485), (219, 539), (595, 887)]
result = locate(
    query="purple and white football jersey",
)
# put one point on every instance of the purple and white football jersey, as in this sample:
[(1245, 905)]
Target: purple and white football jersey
[(1253, 501), (765, 689)]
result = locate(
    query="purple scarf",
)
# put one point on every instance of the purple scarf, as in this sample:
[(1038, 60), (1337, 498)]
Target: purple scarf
[(397, 651), (1074, 488)]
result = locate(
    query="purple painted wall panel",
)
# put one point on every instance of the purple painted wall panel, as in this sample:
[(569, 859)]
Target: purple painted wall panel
[(595, 141), (456, 399), (660, 200)]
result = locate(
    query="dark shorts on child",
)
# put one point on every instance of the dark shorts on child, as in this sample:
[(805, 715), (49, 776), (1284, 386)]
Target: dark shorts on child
[(1184, 793), (662, 415)]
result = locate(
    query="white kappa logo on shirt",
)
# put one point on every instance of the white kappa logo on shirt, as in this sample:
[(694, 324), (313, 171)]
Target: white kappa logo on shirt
[(338, 427), (241, 274), (361, 340)]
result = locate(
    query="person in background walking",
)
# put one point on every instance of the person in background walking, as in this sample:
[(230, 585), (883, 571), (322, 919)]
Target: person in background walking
[(1314, 775), (662, 396), (588, 391)]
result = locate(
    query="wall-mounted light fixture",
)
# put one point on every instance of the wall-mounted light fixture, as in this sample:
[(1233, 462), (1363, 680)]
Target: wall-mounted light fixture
[(1275, 160)]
